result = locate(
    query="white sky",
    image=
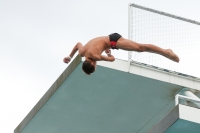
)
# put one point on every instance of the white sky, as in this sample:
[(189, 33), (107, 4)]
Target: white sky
[(36, 35)]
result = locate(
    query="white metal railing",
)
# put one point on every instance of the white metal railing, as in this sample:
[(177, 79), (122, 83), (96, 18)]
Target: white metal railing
[(188, 101), (167, 31)]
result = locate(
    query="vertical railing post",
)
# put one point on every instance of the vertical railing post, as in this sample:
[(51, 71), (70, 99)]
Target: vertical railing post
[(129, 34)]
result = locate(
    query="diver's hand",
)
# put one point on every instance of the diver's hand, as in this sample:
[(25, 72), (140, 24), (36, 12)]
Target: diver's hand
[(108, 51), (67, 59)]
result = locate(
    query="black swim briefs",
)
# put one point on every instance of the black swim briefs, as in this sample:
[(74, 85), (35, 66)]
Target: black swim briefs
[(114, 37)]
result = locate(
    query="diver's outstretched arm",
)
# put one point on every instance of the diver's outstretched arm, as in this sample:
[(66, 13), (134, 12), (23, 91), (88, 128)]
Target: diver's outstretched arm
[(78, 47)]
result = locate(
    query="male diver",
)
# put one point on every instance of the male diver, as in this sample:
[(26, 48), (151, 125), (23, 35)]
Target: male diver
[(92, 51)]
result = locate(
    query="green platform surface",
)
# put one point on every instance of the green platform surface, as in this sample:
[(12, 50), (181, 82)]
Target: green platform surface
[(184, 126), (108, 101)]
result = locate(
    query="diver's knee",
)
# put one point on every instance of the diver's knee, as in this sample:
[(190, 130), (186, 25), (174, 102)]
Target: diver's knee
[(141, 48)]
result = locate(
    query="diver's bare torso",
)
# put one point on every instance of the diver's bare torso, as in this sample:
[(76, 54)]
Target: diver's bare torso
[(94, 48)]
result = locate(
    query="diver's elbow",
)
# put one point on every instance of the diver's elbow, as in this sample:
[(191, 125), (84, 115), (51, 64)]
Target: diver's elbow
[(113, 60)]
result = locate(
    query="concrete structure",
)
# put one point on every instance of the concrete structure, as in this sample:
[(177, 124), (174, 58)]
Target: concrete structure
[(118, 98)]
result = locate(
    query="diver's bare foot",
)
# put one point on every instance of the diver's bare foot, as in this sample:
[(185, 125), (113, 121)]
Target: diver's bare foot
[(172, 55)]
